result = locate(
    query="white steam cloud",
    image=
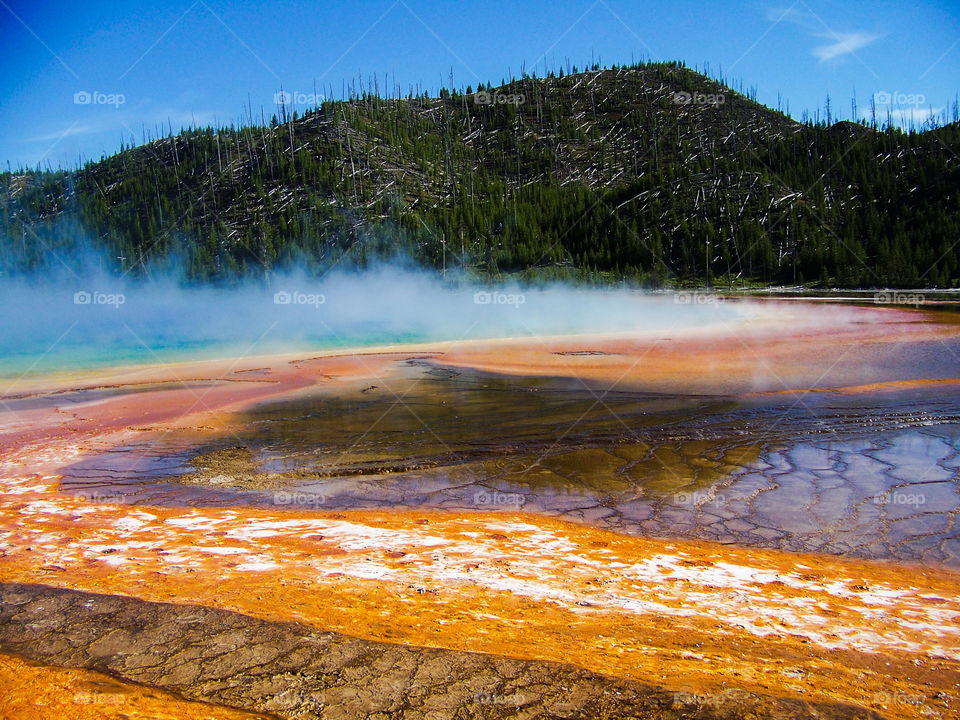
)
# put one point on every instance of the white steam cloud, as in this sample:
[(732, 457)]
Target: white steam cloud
[(97, 319)]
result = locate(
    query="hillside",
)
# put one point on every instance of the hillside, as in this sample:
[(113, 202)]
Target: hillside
[(652, 173)]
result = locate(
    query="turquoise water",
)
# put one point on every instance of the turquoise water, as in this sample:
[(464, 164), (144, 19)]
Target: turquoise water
[(72, 357)]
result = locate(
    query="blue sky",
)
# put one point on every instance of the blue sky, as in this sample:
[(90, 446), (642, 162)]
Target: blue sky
[(142, 64)]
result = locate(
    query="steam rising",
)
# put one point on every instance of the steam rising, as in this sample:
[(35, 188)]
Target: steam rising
[(92, 319)]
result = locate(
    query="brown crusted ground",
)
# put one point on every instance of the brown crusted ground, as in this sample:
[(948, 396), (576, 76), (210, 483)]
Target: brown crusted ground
[(37, 692), (293, 671)]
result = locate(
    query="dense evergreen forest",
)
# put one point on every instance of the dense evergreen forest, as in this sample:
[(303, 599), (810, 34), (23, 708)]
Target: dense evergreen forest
[(653, 174)]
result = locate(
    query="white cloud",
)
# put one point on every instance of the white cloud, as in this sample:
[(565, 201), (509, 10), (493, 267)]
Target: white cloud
[(842, 43), (845, 44), (913, 117)]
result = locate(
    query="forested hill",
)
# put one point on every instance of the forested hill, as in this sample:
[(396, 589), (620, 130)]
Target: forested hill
[(653, 173)]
